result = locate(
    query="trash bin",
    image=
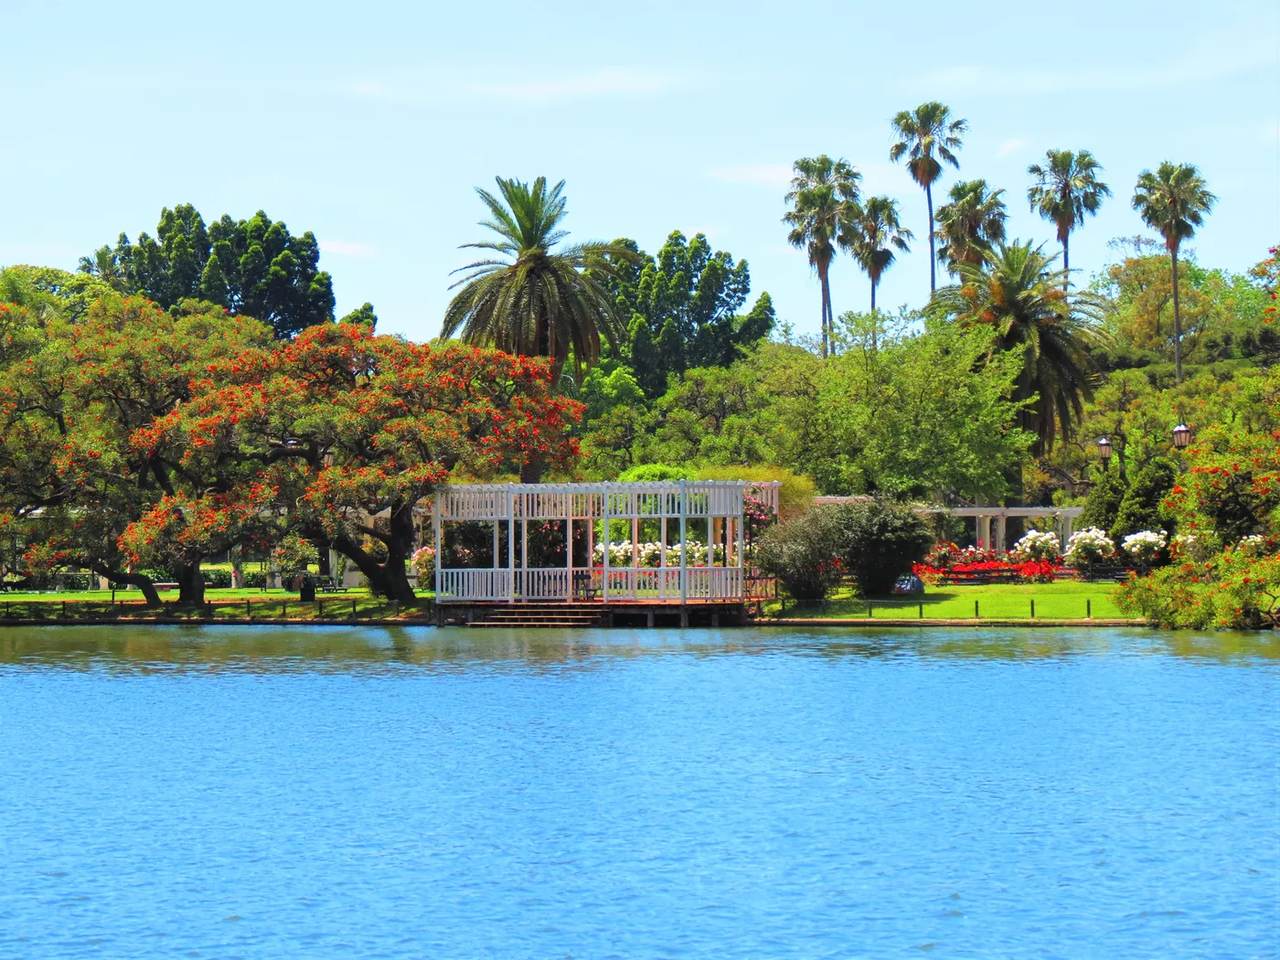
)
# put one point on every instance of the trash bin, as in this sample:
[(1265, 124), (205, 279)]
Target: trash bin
[(307, 588)]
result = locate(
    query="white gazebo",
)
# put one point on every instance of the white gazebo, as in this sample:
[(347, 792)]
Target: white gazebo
[(699, 529)]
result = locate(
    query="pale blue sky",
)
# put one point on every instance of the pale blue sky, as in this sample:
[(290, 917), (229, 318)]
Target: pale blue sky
[(370, 123)]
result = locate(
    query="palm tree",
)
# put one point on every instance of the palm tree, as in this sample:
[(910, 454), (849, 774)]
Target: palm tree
[(872, 234), (971, 224), (822, 196), (1173, 201), (1067, 189), (927, 136), (531, 300), (1016, 290)]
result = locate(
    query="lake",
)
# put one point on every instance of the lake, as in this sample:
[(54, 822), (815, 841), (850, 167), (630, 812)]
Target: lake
[(268, 792)]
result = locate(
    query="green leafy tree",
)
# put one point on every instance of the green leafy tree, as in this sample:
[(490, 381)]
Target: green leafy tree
[(873, 234), (254, 267), (51, 293), (823, 196), (927, 137), (879, 541), (684, 308), (1016, 291), (971, 224), (1173, 201), (72, 467), (1141, 508), (528, 297), (1067, 190)]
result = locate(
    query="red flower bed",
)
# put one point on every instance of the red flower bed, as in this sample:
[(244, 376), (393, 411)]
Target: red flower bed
[(1037, 571)]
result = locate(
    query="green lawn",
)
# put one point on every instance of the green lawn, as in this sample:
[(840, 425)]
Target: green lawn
[(1063, 600), (225, 604)]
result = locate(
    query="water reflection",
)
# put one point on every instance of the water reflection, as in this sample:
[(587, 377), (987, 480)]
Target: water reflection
[(304, 648)]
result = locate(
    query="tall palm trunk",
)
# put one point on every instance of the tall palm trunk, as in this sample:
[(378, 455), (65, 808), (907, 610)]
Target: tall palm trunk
[(1066, 263), (826, 312), (1177, 319), (933, 255)]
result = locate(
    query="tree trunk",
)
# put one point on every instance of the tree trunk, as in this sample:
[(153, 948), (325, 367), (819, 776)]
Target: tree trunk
[(323, 567), (190, 585), (1177, 320), (389, 579), (1066, 265), (873, 296), (933, 256), (144, 583), (822, 284)]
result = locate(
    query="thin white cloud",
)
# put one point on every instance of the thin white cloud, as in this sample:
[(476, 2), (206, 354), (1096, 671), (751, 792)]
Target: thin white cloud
[(431, 87), (1010, 147), (755, 174), (592, 85), (1218, 56), (343, 248)]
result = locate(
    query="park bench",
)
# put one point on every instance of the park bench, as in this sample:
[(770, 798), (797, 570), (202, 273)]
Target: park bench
[(331, 586)]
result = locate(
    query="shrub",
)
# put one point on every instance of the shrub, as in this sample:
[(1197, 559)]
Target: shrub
[(423, 563), (1145, 547), (216, 577), (879, 541), (1088, 548), (1234, 589), (292, 554), (654, 472), (1141, 508), (1103, 502), (795, 496), (1037, 545), (803, 554), (255, 578)]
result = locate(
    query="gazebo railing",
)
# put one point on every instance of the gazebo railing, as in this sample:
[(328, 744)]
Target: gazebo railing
[(588, 583)]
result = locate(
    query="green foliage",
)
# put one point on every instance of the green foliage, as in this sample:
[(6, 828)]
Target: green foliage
[(1067, 190), (803, 553), (683, 307), (527, 298), (795, 495), (1015, 291), (608, 386), (1141, 508), (254, 267), (363, 316), (49, 293), (823, 201), (879, 541), (1238, 588), (654, 473), (1104, 499), (927, 137), (971, 224)]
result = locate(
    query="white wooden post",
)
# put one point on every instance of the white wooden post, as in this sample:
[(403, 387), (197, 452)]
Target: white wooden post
[(684, 553), (511, 543), (604, 512), (568, 550), (437, 505), (662, 554)]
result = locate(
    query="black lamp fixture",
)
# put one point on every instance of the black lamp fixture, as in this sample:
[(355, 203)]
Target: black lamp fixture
[(1181, 436), (1104, 451)]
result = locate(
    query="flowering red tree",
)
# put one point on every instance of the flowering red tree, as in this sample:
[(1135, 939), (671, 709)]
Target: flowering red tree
[(351, 432), (71, 478)]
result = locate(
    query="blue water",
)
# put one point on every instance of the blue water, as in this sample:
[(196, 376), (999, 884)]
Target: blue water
[(258, 792)]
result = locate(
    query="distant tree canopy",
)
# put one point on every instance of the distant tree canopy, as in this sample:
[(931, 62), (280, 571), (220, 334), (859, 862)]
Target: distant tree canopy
[(253, 267), (682, 308)]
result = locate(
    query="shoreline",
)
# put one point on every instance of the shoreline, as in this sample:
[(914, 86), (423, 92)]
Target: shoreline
[(426, 622)]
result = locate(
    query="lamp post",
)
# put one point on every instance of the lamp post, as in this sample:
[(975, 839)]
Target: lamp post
[(1181, 436), (1104, 451)]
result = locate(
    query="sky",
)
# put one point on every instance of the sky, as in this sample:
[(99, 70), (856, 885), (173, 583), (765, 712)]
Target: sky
[(371, 124)]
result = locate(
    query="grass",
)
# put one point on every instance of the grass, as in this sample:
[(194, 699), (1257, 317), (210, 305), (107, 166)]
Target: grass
[(220, 605), (1063, 600)]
